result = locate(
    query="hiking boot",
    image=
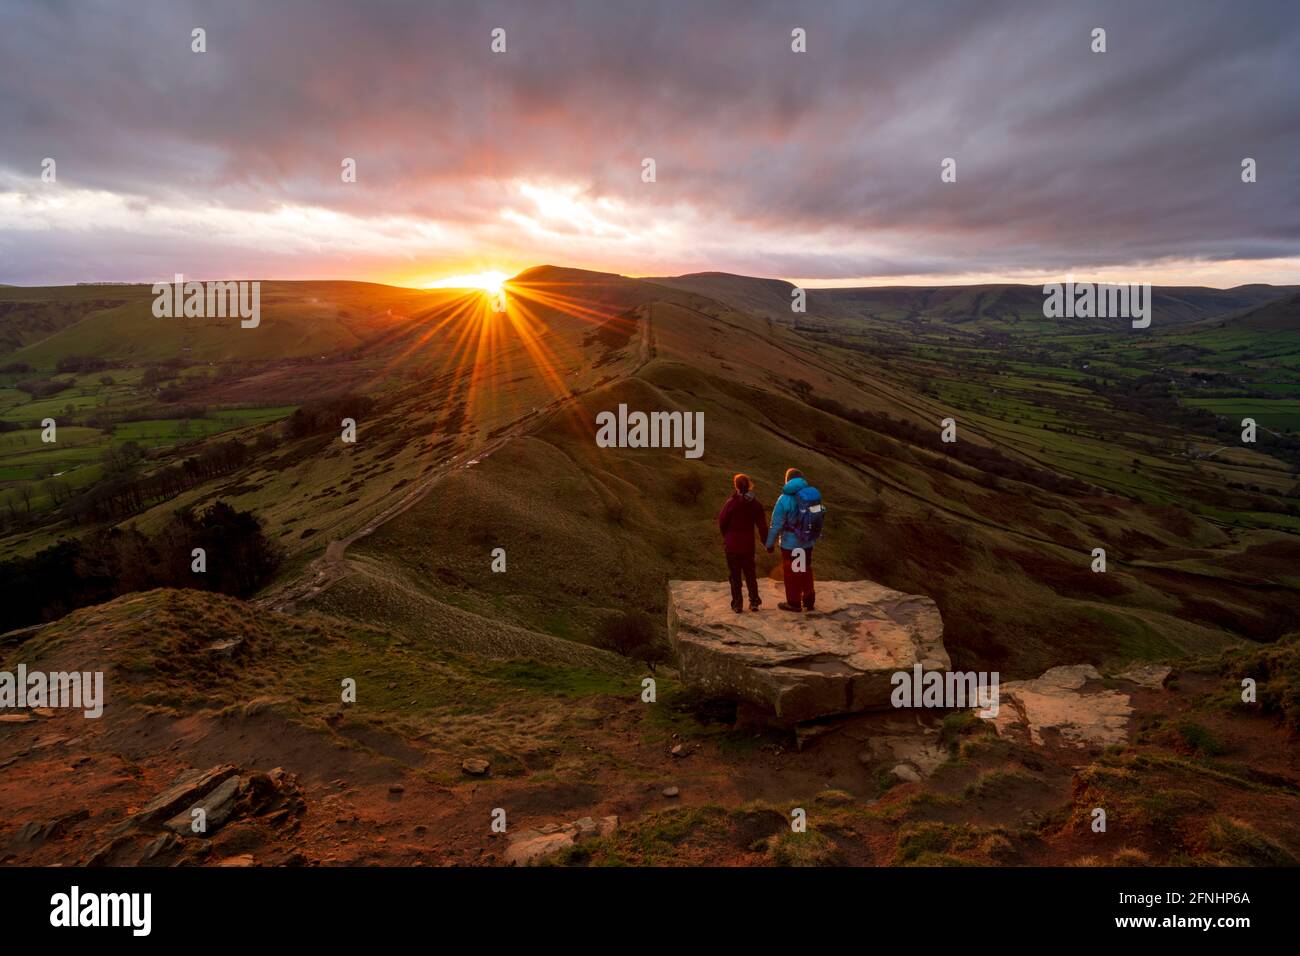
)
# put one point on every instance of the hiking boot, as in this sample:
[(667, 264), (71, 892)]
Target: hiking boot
[(788, 607), (755, 605), (738, 608), (808, 604)]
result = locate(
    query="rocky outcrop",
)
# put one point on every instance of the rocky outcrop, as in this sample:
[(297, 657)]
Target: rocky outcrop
[(1064, 707), (838, 659), (32, 835), (216, 809), (186, 789), (224, 794)]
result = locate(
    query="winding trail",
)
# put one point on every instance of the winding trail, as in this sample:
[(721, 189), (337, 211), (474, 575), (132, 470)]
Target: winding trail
[(330, 567)]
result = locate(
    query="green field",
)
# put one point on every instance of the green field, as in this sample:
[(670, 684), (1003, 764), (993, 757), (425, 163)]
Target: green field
[(75, 458), (1280, 414)]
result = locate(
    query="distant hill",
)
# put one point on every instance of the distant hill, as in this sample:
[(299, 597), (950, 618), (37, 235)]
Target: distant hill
[(44, 324), (769, 298), (1277, 315), (564, 274), (1007, 306), (970, 307)]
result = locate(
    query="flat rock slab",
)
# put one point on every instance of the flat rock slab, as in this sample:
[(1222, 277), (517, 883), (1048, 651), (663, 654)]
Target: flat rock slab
[(1057, 708), (185, 790), (838, 659), (536, 843), (217, 807), (1152, 676)]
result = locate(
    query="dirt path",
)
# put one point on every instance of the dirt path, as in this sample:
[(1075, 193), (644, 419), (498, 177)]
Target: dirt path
[(329, 568)]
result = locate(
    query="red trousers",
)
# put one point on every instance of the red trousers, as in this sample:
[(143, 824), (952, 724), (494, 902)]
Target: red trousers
[(798, 584)]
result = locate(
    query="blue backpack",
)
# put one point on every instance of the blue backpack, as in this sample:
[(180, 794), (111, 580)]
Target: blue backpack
[(809, 515)]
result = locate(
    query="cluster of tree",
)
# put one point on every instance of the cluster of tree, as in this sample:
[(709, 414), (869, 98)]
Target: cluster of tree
[(15, 368), (123, 457), (687, 487), (81, 363), (1153, 397), (239, 559), (128, 492), (156, 374), (106, 420), (42, 387), (633, 634), (980, 457), (326, 414)]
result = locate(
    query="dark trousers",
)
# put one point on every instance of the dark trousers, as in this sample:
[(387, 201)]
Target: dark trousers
[(736, 564), (798, 584)]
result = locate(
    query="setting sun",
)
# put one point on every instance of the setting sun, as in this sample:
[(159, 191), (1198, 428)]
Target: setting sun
[(489, 282)]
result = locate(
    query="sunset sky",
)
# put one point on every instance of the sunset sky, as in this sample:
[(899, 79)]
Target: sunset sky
[(820, 167)]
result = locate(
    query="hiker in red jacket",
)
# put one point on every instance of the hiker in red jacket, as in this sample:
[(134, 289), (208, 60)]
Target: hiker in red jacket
[(742, 514)]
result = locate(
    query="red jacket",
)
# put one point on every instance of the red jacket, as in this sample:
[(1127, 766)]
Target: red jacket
[(739, 517)]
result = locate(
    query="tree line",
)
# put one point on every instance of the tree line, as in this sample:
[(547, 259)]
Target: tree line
[(125, 492), (110, 562)]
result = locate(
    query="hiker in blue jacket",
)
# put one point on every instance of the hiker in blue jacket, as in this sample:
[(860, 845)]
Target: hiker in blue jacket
[(797, 519)]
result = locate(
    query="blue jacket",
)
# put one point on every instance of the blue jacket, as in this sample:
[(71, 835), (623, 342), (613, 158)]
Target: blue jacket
[(785, 510)]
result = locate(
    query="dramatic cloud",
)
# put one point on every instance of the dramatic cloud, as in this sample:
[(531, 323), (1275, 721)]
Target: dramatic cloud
[(821, 166)]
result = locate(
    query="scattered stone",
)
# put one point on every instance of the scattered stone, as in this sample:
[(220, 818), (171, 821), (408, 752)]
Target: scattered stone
[(920, 751), (677, 750), (670, 791), (906, 773), (240, 860), (1055, 707), (105, 854), (802, 667), (1148, 675), (160, 845), (397, 788), (475, 766), (32, 835), (530, 845), (224, 648), (804, 734), (537, 842)]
